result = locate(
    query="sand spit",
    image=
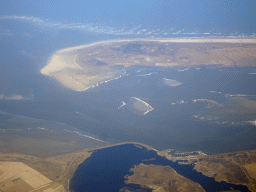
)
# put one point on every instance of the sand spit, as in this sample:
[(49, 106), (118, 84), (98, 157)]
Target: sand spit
[(148, 74), (123, 104), (149, 107), (172, 40), (60, 60)]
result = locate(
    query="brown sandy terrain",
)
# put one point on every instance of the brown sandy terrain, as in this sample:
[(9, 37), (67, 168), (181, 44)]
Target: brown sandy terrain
[(162, 178), (251, 168), (84, 67), (236, 168), (16, 176), (51, 174)]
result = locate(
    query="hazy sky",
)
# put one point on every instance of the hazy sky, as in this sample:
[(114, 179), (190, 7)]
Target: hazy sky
[(166, 16)]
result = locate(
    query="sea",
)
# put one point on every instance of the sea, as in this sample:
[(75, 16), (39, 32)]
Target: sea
[(212, 110)]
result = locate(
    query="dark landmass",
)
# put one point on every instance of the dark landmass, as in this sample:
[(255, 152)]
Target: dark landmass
[(237, 167), (58, 169), (162, 178)]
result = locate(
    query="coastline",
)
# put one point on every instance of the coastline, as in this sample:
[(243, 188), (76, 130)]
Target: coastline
[(73, 66), (163, 40), (77, 163), (225, 166), (60, 169)]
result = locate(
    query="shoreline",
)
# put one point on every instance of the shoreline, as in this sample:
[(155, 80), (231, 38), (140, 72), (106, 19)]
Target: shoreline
[(203, 157), (98, 148), (61, 52), (71, 161), (64, 68), (163, 40)]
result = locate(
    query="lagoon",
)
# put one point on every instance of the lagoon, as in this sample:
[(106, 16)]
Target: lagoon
[(105, 170)]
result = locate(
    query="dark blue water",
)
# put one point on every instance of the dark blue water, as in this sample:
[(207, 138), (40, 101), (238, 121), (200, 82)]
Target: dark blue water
[(105, 170)]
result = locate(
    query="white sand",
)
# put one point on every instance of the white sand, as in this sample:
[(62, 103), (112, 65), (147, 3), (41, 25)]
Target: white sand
[(59, 62), (171, 40), (149, 107)]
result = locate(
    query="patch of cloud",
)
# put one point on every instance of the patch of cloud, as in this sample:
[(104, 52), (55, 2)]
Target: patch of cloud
[(146, 74), (200, 117), (171, 82), (87, 117), (5, 32), (217, 120), (178, 102), (88, 27), (239, 95), (139, 70), (138, 30), (5, 130), (230, 122), (215, 92), (27, 54), (123, 104), (252, 122), (210, 103), (41, 128), (16, 97), (181, 70), (181, 102), (194, 33), (205, 117)]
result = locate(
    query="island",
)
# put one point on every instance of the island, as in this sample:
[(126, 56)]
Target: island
[(83, 67)]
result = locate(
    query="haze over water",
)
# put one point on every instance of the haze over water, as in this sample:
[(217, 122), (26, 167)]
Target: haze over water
[(31, 31)]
